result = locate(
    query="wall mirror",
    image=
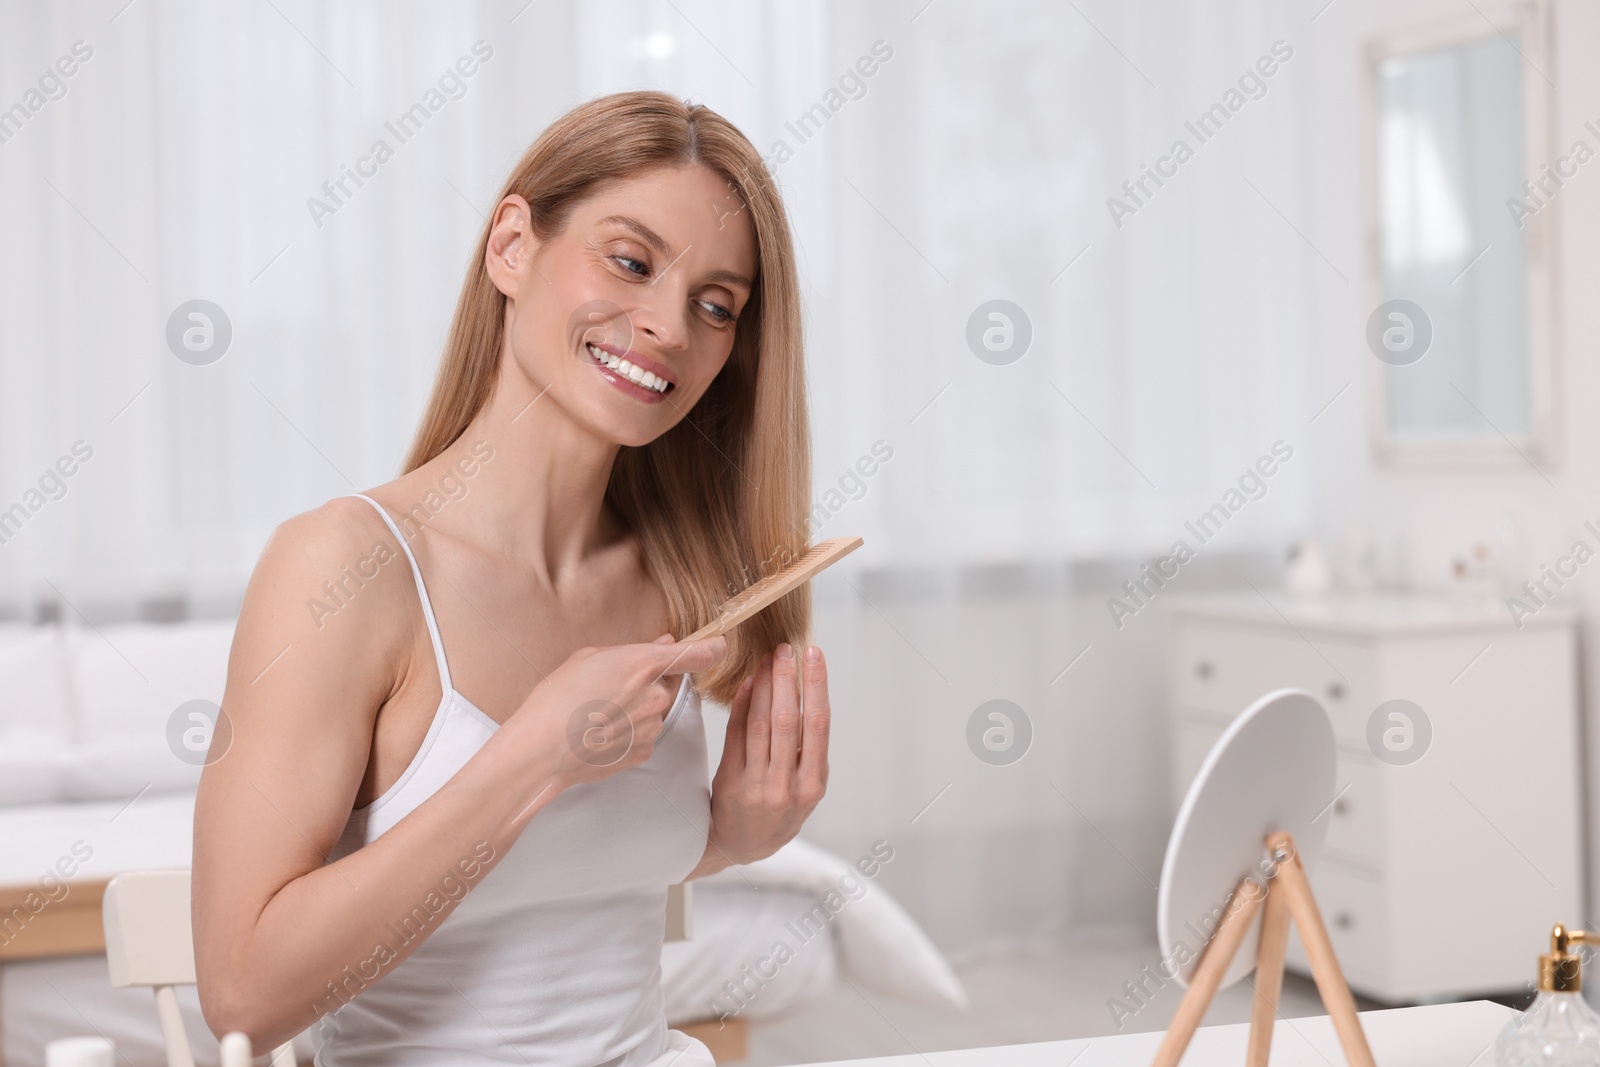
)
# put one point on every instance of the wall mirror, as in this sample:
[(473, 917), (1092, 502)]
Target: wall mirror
[(1466, 186)]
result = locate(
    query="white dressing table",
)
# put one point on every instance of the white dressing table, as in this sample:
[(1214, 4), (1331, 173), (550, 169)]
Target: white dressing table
[(1439, 1035)]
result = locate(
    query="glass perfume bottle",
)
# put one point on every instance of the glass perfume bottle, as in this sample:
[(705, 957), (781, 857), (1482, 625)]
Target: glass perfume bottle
[(1558, 1029)]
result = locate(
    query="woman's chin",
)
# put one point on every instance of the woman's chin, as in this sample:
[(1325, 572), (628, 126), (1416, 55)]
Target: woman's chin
[(612, 422), (628, 413)]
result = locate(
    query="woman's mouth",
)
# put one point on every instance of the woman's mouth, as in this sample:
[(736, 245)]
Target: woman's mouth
[(629, 376)]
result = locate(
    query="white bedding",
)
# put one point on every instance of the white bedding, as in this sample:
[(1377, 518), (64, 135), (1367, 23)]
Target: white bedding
[(732, 928), (756, 915), (152, 832)]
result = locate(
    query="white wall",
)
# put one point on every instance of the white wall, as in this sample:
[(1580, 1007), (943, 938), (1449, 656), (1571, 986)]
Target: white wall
[(1439, 516)]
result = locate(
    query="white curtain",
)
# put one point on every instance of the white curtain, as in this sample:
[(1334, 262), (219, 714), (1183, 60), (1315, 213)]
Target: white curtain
[(974, 163), (1164, 359)]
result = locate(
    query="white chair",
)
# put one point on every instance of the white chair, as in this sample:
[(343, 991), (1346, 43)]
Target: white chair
[(149, 942)]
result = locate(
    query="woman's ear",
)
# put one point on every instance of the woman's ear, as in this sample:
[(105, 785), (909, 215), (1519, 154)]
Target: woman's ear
[(512, 245)]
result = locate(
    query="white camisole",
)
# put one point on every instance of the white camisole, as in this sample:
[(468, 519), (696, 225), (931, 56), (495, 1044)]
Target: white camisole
[(554, 957)]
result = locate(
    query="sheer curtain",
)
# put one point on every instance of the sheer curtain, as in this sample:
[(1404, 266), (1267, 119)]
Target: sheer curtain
[(974, 163), (1164, 353), (934, 157)]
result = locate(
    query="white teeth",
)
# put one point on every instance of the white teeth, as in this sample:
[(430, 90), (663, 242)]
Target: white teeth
[(638, 375)]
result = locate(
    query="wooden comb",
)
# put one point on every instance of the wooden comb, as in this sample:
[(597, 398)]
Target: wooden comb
[(806, 566)]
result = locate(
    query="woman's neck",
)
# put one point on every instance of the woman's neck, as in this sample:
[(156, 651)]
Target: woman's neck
[(541, 499)]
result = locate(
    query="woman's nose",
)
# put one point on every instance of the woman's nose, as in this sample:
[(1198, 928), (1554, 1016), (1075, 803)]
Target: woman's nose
[(664, 319)]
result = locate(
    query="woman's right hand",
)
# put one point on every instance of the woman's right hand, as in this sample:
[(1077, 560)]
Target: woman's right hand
[(604, 708)]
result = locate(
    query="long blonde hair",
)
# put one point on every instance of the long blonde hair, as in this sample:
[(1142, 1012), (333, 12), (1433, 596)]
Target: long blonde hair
[(722, 498)]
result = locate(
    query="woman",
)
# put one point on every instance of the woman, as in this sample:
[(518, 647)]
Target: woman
[(464, 767)]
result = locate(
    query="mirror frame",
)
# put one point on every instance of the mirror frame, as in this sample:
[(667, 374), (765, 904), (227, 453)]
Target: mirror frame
[(1489, 453)]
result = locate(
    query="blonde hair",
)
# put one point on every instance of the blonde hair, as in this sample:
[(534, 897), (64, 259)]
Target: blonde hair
[(722, 498)]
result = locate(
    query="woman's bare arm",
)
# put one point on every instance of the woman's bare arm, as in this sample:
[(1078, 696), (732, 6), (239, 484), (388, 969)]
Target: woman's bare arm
[(282, 936), (275, 923)]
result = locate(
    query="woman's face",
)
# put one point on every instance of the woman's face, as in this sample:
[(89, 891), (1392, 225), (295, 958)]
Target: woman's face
[(627, 314)]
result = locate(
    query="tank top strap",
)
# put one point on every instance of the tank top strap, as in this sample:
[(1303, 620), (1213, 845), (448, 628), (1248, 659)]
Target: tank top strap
[(422, 591)]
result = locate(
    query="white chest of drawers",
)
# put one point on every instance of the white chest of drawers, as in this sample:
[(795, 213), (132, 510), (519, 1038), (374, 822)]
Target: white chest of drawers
[(1441, 877)]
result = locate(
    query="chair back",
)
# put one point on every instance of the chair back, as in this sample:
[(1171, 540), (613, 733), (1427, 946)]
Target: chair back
[(150, 942)]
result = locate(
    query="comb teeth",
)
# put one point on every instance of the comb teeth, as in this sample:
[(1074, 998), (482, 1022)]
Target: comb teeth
[(759, 587), (757, 597)]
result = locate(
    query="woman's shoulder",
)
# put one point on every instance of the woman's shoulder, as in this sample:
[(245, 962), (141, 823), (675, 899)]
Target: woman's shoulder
[(323, 639), (332, 534), (334, 561)]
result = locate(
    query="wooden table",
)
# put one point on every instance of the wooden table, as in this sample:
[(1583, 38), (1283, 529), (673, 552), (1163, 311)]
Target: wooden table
[(68, 926), (1441, 1035)]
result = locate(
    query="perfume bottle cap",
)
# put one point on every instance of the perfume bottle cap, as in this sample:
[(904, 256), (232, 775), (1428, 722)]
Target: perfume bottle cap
[(1561, 971)]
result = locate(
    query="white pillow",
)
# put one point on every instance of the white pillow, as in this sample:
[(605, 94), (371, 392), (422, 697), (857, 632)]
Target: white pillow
[(736, 929), (31, 768), (131, 677), (881, 945), (35, 714), (33, 694), (121, 768)]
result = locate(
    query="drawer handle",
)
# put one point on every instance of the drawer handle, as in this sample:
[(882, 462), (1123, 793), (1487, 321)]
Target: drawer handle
[(1335, 690), (1344, 920), (1203, 670)]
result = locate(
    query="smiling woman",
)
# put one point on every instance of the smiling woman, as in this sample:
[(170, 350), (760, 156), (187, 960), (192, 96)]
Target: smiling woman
[(627, 347), (685, 481)]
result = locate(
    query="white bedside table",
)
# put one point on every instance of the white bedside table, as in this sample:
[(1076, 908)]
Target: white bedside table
[(1441, 877)]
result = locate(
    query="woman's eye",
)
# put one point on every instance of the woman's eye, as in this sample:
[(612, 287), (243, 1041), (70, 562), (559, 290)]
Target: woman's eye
[(632, 266), (718, 312)]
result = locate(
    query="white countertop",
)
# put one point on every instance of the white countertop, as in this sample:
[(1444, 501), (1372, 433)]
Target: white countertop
[(1440, 1035), (1377, 614)]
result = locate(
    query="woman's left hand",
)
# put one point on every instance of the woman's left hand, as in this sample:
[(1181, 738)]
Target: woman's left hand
[(774, 766)]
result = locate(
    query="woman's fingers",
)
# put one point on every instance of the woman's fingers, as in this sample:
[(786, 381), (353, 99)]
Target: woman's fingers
[(785, 712), (688, 657), (818, 717), (758, 727), (733, 742)]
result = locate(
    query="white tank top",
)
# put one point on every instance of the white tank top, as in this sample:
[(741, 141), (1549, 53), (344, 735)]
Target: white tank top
[(554, 957)]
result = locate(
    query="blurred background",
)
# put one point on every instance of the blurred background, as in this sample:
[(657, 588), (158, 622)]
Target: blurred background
[(1331, 345)]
